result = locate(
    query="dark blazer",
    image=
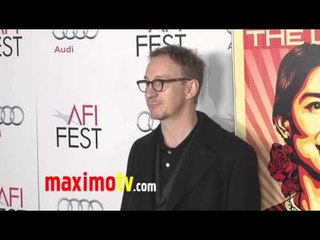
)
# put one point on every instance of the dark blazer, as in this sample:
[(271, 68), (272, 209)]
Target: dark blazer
[(219, 173)]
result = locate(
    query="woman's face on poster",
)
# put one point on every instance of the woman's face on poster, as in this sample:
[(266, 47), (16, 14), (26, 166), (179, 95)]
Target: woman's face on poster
[(306, 117)]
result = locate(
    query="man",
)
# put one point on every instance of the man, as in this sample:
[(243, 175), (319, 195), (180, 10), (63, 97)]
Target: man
[(195, 164)]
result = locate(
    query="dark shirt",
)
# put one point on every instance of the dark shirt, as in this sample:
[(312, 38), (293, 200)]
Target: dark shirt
[(170, 157)]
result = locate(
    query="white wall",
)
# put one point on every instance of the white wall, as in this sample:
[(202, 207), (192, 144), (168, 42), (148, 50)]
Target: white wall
[(98, 75)]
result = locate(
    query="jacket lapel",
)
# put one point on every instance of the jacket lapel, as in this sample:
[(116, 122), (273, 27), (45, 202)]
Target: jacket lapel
[(198, 162)]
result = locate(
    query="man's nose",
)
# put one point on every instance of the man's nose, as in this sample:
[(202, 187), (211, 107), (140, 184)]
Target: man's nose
[(150, 92)]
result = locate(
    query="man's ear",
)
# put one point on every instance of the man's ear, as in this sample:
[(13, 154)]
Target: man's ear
[(192, 89), (283, 127)]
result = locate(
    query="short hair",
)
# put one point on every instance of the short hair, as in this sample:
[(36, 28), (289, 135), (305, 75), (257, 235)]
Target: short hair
[(292, 73), (192, 65)]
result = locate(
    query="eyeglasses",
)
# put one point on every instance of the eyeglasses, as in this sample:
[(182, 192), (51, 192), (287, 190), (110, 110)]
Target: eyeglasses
[(157, 84)]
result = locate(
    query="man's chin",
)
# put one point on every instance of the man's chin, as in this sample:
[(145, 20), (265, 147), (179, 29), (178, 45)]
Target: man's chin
[(155, 116)]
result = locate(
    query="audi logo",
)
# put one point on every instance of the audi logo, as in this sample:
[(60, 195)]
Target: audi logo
[(74, 34), (11, 115), (74, 204), (145, 122)]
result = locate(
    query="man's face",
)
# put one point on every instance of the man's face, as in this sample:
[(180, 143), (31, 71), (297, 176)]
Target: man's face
[(306, 116), (170, 101)]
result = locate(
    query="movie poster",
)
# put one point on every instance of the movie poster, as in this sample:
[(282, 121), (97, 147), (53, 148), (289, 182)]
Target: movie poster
[(277, 110)]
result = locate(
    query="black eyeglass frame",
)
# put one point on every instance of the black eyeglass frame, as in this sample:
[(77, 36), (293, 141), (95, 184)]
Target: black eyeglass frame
[(162, 81)]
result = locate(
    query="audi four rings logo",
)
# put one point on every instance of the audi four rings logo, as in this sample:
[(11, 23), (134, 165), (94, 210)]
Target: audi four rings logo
[(145, 122), (74, 34), (11, 115), (73, 204)]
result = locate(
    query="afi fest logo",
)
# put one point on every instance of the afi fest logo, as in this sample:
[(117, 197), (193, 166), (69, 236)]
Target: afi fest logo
[(79, 132), (148, 42), (73, 34), (10, 42), (11, 197)]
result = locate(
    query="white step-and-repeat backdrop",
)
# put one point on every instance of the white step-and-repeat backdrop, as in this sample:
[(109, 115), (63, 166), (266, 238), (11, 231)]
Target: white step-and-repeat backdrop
[(70, 110)]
